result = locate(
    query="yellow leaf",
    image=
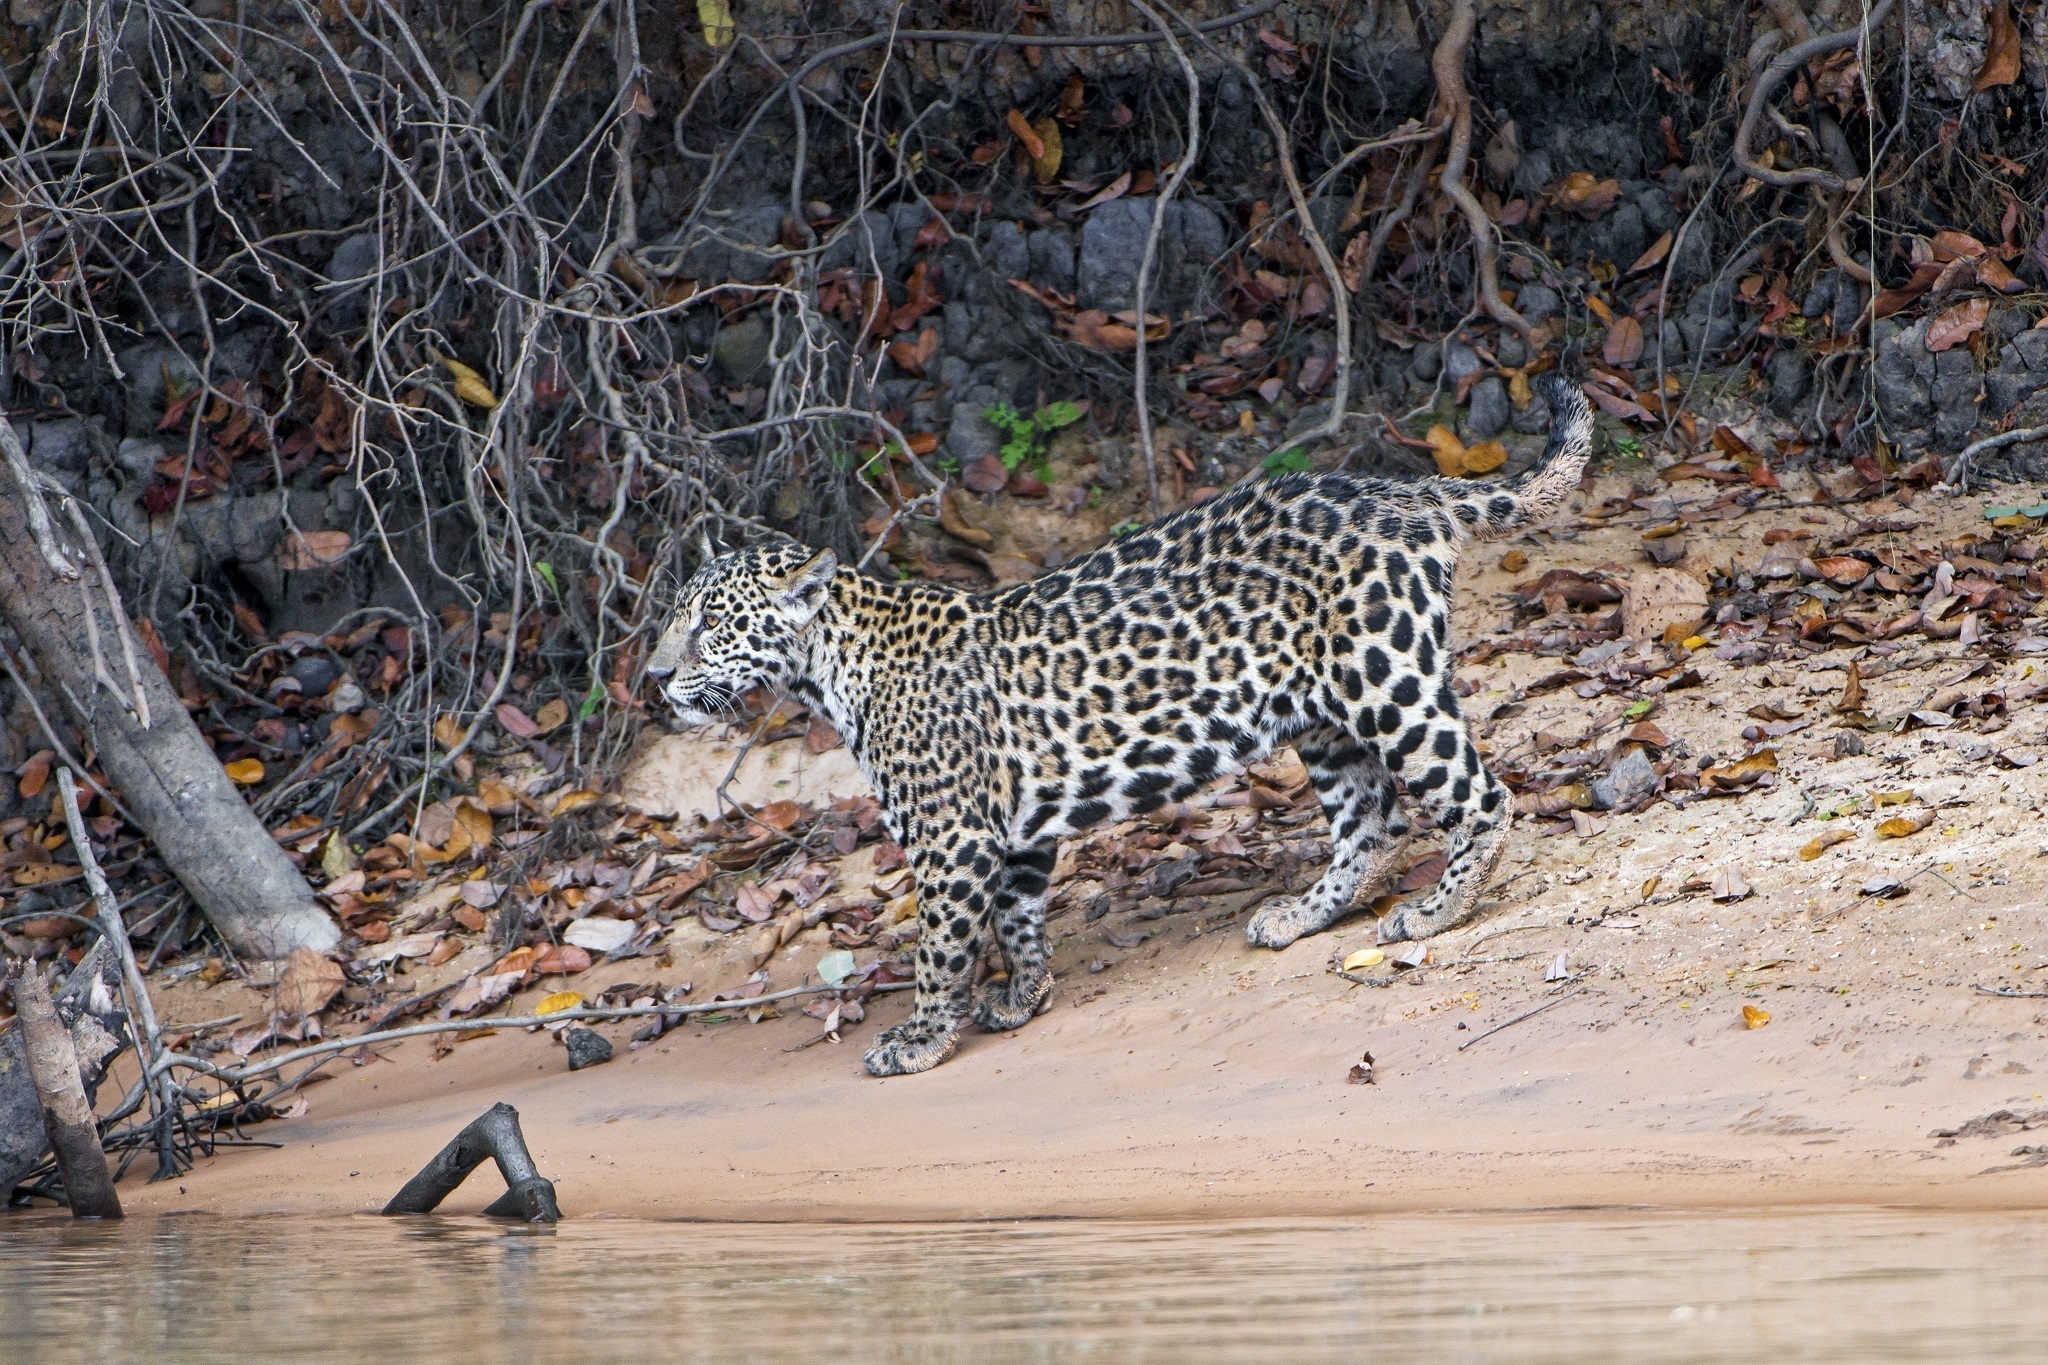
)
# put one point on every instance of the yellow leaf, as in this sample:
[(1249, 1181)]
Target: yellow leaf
[(1047, 165), (551, 716), (1485, 457), (448, 731), (573, 801), (559, 1001), (469, 385), (1899, 826), (1821, 843), (471, 816), (1450, 451), (1883, 799), (1364, 957), (46, 874), (245, 772), (1695, 642), (1752, 1017), (335, 859), (716, 18), (1600, 308), (1519, 391)]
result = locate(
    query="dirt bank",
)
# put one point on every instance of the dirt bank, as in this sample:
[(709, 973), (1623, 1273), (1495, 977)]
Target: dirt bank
[(1193, 1075)]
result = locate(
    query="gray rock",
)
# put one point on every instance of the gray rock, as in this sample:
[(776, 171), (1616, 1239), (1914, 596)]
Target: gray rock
[(1533, 420), (1673, 337), (1821, 298), (61, 449), (1490, 411), (865, 244), (968, 334), (1791, 382), (1460, 360), (587, 1047), (1707, 334), (1006, 251), (955, 373), (1955, 392), (1631, 777), (969, 436), (1113, 245), (1427, 364), (1052, 259), (1537, 302), (138, 458), (741, 351), (1511, 349)]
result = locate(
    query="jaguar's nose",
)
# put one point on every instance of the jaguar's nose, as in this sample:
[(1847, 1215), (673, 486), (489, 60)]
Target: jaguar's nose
[(658, 673)]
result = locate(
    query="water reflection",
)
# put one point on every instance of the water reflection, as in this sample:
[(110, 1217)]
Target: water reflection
[(1836, 1286)]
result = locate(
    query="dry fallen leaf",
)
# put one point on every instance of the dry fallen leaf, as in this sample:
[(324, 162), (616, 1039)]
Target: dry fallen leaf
[(559, 1001), (1624, 346), (551, 716), (1045, 163), (308, 982), (1485, 457), (1363, 958), (573, 801), (1752, 1017), (303, 550), (1899, 826), (1729, 884), (1448, 449), (1514, 561), (1954, 326), (469, 385), (1822, 842), (2001, 50), (245, 772)]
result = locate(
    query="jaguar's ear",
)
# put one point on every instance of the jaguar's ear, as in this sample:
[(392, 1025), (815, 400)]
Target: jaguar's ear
[(707, 548), (800, 595)]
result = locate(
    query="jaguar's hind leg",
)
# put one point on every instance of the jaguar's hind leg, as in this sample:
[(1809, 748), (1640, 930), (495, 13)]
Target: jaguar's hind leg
[(1020, 938), (1367, 832), (1471, 807)]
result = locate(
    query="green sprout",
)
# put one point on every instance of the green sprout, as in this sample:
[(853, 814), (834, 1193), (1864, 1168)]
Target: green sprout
[(1027, 436)]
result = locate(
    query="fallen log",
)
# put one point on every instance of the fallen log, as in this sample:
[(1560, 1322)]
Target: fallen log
[(62, 605), (495, 1134), (60, 1092)]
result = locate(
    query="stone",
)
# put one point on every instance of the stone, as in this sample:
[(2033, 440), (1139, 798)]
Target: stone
[(587, 1047), (1052, 259), (1537, 302), (1460, 360), (1632, 776), (138, 458), (1490, 410), (864, 244), (1791, 382), (741, 351), (1657, 599), (969, 435), (1113, 246)]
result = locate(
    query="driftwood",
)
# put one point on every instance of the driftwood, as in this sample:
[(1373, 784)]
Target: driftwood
[(60, 1092), (88, 1004), (166, 777), (495, 1134)]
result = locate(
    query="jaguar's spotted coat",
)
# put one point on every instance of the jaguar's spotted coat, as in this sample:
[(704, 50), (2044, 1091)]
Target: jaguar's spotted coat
[(1311, 610)]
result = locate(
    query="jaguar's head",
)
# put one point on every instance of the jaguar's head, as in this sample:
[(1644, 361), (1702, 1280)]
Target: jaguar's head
[(739, 624)]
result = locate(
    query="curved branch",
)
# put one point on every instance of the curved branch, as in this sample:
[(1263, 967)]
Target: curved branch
[(1448, 66), (1773, 76)]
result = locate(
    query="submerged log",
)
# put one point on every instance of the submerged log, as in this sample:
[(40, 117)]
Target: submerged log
[(67, 1113), (495, 1134), (88, 1004)]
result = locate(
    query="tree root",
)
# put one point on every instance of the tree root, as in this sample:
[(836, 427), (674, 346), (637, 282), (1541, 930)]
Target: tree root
[(529, 1195)]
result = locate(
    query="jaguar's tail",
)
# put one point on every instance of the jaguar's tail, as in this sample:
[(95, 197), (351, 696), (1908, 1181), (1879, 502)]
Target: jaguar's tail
[(1536, 493)]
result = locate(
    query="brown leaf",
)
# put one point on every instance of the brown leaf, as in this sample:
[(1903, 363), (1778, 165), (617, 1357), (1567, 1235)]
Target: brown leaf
[(821, 737), (1485, 457), (1743, 773), (2001, 50), (1624, 343), (1852, 690), (1822, 842), (1115, 189), (1659, 249), (1034, 146), (1842, 569), (1729, 884), (913, 356), (304, 550), (1953, 326), (1586, 194), (245, 772), (1448, 449), (985, 475), (34, 774), (551, 716), (1899, 826), (1424, 871), (516, 722), (308, 982)]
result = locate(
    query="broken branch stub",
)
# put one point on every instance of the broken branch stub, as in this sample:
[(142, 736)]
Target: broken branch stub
[(166, 775), (494, 1134)]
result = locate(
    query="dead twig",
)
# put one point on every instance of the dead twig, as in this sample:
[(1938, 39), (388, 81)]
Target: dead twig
[(1141, 364), (1527, 1014)]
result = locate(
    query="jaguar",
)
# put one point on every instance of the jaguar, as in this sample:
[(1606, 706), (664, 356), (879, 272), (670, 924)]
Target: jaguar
[(1310, 610)]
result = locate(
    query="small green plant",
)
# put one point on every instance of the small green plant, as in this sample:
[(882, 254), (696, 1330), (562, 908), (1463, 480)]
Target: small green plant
[(1095, 496), (1628, 447), (1288, 461), (1026, 443), (1124, 528), (949, 465)]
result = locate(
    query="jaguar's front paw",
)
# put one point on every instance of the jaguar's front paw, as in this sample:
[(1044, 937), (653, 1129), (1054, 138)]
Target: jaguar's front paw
[(910, 1048), (1283, 920), (1013, 1002)]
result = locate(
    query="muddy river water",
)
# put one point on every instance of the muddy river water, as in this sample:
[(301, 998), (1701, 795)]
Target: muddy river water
[(1846, 1286)]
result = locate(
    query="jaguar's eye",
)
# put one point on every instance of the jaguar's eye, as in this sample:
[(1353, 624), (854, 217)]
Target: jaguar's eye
[(710, 621)]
